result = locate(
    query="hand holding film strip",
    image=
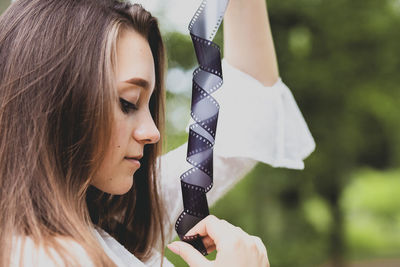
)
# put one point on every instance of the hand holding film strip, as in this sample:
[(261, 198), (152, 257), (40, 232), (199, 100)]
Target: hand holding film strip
[(207, 78)]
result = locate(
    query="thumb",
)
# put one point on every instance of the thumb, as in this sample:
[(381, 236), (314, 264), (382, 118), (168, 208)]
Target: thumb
[(189, 254)]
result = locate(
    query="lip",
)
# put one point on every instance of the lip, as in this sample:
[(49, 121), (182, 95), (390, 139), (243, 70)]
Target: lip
[(133, 161), (135, 157)]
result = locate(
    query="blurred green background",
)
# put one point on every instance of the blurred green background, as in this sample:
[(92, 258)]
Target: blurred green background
[(340, 58)]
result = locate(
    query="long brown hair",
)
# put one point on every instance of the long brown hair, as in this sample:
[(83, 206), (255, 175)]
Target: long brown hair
[(57, 88)]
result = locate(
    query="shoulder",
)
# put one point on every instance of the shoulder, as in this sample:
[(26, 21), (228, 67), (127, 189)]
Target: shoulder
[(29, 253)]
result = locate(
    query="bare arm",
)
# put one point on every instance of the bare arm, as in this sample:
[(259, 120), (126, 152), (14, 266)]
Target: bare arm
[(248, 43)]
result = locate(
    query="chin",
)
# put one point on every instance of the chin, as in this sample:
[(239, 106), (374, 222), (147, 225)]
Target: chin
[(120, 192), (119, 186), (122, 188)]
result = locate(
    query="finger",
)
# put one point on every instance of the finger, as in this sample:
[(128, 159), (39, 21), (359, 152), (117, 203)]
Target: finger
[(200, 227), (262, 249), (208, 242), (189, 254), (260, 244), (213, 227), (211, 249)]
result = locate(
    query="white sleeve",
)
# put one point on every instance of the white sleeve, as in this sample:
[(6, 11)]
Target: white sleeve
[(260, 122), (256, 123)]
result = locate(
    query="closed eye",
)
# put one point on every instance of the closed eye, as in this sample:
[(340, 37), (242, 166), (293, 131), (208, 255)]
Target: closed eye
[(127, 106)]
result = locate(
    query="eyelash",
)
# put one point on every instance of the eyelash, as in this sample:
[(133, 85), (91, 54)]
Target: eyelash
[(127, 106)]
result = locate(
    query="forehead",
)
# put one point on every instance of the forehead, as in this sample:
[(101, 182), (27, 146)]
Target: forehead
[(134, 58)]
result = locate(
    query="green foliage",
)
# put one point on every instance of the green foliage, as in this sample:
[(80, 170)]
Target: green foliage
[(3, 5), (180, 50), (371, 204)]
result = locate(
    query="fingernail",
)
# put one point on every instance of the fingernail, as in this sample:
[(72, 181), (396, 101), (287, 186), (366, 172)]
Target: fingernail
[(174, 248)]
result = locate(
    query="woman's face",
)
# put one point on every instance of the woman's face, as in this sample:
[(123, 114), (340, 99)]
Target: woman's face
[(133, 124)]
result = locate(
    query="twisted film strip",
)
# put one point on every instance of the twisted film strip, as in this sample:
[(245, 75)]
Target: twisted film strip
[(207, 78)]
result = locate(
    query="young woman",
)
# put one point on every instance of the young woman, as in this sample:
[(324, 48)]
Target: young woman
[(82, 178)]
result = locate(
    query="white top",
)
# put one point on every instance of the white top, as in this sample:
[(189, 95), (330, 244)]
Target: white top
[(256, 123)]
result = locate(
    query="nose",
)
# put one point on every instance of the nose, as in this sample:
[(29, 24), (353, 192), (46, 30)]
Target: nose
[(147, 131)]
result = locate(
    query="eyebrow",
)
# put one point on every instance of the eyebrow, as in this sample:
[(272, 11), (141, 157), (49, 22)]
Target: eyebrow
[(139, 82)]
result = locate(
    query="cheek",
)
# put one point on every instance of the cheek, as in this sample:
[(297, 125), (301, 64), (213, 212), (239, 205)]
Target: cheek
[(113, 173), (120, 134)]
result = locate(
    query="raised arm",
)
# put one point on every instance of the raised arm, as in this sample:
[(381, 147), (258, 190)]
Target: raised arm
[(248, 43), (259, 120)]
